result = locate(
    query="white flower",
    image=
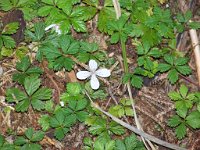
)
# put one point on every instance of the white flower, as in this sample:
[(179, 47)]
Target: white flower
[(62, 104), (93, 73), (56, 27)]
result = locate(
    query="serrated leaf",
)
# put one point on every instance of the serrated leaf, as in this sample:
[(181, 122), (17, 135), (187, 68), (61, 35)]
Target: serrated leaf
[(116, 128), (20, 141), (10, 28), (180, 131), (136, 81), (60, 133), (181, 61), (163, 67), (131, 142), (174, 121), (110, 145), (174, 95), (29, 133), (31, 84), (115, 38), (183, 90), (172, 76), (81, 115), (44, 11), (79, 25), (73, 88), (44, 122), (119, 145), (194, 25), (193, 119), (42, 94), (22, 105), (24, 64), (37, 104), (185, 70), (15, 95), (8, 41), (37, 136), (169, 59)]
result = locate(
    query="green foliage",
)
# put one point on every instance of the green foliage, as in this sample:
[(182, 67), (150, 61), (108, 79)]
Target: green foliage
[(34, 96), (25, 70), (95, 94), (174, 66), (134, 78), (7, 43), (184, 21), (122, 109), (26, 6), (30, 139), (64, 118), (4, 145), (103, 128), (184, 101), (129, 143)]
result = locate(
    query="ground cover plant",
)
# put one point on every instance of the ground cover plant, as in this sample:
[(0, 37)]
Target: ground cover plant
[(99, 74)]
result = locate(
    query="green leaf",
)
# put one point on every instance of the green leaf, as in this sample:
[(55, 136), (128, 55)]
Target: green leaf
[(6, 52), (193, 119), (81, 104), (37, 104), (115, 38), (11, 28), (74, 88), (23, 105), (181, 61), (60, 133), (172, 76), (44, 122), (44, 11), (29, 133), (185, 70), (81, 115), (163, 67), (131, 142), (174, 96), (110, 145), (194, 25), (181, 131), (174, 121), (89, 47), (116, 128), (8, 41), (79, 25), (42, 94), (169, 59), (188, 15), (31, 84), (39, 31), (119, 145), (136, 81), (20, 141), (15, 95), (24, 64), (5, 5), (37, 136), (183, 90)]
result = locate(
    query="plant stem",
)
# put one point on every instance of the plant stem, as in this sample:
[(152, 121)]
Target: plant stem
[(124, 56)]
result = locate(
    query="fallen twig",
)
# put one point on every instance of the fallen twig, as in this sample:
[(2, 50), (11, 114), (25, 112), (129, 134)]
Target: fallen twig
[(135, 130)]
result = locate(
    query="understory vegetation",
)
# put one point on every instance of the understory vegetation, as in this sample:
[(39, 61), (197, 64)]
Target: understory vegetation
[(84, 74)]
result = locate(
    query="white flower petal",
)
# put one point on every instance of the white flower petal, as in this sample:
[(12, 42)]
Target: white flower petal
[(93, 65), (103, 72), (50, 26), (94, 82), (62, 103), (57, 29), (82, 75)]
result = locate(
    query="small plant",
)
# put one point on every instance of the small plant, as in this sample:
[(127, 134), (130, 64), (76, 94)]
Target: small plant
[(122, 109), (33, 95), (30, 139), (7, 43), (103, 128), (129, 143), (4, 145), (174, 66), (183, 103), (25, 70)]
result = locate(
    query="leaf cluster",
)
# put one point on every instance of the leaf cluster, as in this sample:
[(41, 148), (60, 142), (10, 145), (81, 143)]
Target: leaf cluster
[(174, 66), (25, 69), (30, 139), (184, 101), (122, 109), (33, 95), (7, 43)]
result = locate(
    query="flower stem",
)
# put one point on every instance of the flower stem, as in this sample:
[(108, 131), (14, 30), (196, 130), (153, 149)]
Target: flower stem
[(123, 45)]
